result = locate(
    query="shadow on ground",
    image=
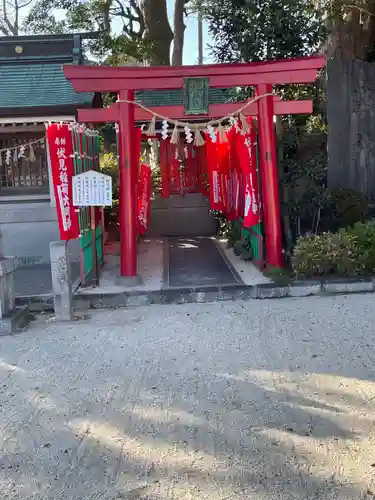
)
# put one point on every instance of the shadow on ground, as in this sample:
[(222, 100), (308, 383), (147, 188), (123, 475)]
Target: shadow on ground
[(180, 421)]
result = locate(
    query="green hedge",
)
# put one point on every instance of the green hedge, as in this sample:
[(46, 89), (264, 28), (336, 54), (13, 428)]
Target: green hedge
[(347, 207), (349, 252), (109, 166)]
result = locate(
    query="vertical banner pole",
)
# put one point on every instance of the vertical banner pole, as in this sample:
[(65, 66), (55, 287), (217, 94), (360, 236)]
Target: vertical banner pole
[(95, 275), (81, 226)]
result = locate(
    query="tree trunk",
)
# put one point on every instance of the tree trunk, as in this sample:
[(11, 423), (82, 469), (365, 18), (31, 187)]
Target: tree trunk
[(157, 30), (200, 39), (179, 32), (284, 188), (353, 37)]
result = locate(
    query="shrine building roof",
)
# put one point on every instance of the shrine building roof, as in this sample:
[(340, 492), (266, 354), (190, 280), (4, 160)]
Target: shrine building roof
[(32, 81)]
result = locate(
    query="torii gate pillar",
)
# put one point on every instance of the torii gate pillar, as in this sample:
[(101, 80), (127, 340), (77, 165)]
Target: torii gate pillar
[(269, 176), (127, 188)]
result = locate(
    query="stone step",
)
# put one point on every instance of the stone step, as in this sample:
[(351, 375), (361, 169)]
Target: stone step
[(178, 201), (181, 216)]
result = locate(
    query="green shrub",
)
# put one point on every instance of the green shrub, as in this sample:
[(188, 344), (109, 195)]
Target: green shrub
[(242, 247), (327, 253), (111, 214), (349, 252), (109, 166), (363, 235), (348, 206), (156, 179), (224, 228)]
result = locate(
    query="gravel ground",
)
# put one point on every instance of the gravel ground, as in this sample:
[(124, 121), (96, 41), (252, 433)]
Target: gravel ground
[(246, 400)]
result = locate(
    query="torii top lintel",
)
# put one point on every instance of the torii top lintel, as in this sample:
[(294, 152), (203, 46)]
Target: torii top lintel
[(114, 79)]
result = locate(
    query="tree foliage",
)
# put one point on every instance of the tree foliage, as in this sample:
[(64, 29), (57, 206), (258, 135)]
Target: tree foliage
[(126, 29), (256, 30), (249, 30)]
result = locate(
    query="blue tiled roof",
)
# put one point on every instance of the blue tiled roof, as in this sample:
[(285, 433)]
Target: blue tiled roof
[(37, 85)]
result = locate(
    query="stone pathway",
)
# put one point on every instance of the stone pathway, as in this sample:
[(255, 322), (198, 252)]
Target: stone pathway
[(224, 401), (197, 262)]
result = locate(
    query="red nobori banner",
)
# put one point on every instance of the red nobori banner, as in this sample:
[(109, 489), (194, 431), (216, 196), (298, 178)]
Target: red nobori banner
[(60, 147), (246, 151), (144, 196), (214, 176)]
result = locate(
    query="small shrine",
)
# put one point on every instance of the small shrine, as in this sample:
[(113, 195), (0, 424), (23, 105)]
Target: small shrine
[(225, 150)]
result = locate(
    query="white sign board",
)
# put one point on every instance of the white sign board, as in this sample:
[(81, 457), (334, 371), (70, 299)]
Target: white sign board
[(92, 189)]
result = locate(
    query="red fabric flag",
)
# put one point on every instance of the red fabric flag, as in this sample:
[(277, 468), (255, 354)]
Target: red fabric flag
[(247, 158), (60, 147), (233, 183), (138, 136), (175, 167), (222, 152), (144, 196), (214, 176), (165, 150)]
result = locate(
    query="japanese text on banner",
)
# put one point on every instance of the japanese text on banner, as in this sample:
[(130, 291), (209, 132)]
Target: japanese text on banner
[(61, 152)]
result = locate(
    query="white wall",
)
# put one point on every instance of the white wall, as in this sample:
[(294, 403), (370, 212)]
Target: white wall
[(28, 229)]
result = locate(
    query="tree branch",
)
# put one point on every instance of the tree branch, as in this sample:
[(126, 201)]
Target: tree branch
[(140, 19), (16, 18), (3, 29), (361, 9), (6, 19), (129, 19), (7, 27), (26, 4)]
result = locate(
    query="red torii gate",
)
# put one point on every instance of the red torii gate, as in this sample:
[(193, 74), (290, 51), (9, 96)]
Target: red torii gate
[(125, 80)]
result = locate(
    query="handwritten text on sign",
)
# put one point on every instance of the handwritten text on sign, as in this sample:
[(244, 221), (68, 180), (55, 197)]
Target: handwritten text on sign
[(92, 189)]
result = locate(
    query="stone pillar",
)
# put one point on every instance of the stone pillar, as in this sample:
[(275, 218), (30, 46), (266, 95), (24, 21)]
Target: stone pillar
[(61, 281), (7, 297), (11, 319)]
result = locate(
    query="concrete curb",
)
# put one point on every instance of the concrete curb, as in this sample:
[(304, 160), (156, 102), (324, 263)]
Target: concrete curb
[(15, 322), (223, 293), (85, 301), (36, 303)]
